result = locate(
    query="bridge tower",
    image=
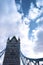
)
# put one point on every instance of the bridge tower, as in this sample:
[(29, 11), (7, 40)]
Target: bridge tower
[(12, 53)]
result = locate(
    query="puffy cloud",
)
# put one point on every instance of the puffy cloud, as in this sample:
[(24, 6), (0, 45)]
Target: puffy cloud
[(39, 42), (12, 23), (39, 3), (35, 12), (9, 22), (36, 15), (26, 43), (38, 32)]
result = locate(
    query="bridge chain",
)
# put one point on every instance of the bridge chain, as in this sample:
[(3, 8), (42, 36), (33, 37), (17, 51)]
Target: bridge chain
[(30, 61), (2, 52)]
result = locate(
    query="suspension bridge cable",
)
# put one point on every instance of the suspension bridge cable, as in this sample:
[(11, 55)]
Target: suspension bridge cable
[(31, 59), (2, 52)]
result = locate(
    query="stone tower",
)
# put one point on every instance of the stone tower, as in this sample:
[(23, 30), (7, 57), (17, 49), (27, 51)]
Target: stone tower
[(12, 54)]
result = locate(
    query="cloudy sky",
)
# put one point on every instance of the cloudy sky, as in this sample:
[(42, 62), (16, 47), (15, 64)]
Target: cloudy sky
[(24, 19)]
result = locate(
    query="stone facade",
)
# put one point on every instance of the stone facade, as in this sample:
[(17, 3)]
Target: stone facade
[(12, 54)]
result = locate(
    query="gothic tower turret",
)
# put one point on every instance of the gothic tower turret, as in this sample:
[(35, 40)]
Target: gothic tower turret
[(12, 54)]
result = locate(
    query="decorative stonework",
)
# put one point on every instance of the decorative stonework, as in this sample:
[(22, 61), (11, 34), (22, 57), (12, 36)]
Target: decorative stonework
[(12, 54)]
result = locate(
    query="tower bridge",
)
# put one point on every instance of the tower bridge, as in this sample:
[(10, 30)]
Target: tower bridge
[(13, 54)]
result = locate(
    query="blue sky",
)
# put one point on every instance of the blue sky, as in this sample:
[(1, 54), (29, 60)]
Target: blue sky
[(24, 19)]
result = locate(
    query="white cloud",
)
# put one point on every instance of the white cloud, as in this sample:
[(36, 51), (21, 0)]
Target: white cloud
[(35, 13), (39, 3), (38, 40), (40, 20), (26, 44), (11, 23)]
